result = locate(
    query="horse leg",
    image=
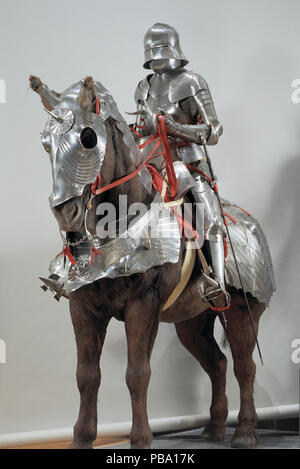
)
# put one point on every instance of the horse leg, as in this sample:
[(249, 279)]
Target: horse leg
[(197, 337), (242, 342), (141, 324), (89, 333)]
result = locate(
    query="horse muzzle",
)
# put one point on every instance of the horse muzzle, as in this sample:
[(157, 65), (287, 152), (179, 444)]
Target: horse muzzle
[(70, 214)]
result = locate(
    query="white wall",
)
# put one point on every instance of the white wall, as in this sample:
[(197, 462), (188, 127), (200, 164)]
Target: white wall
[(249, 53)]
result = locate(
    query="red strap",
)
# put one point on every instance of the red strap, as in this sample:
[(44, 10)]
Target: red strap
[(181, 144), (225, 247), (157, 180), (96, 185), (230, 217), (96, 189), (66, 252), (97, 106), (245, 211), (151, 139), (162, 132), (186, 227), (136, 132), (95, 252), (225, 308), (162, 138), (196, 170)]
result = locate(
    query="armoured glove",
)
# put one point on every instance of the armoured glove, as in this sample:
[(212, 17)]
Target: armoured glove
[(190, 133)]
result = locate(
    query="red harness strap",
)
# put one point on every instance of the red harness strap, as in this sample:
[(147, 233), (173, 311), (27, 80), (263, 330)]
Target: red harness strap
[(96, 189), (162, 132), (222, 309), (157, 180), (230, 217), (245, 211), (95, 252), (66, 252), (196, 170), (136, 126), (185, 226), (133, 129), (225, 247), (97, 106), (162, 139), (150, 139)]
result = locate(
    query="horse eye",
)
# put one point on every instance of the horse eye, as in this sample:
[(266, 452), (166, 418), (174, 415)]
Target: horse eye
[(88, 138)]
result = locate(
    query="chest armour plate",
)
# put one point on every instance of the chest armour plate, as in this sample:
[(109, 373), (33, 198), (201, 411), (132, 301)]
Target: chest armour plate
[(189, 153), (157, 101)]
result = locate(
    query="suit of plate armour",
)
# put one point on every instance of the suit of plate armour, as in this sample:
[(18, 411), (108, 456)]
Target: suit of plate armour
[(190, 117)]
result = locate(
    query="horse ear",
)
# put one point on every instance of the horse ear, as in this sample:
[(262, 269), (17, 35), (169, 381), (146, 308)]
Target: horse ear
[(87, 95), (49, 98)]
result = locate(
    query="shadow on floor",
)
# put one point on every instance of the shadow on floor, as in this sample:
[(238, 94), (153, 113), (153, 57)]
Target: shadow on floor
[(268, 439)]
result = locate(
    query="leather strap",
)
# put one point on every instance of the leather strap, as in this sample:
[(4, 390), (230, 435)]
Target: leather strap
[(186, 272)]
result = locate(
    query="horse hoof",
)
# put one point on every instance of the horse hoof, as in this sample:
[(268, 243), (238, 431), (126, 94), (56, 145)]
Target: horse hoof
[(141, 444), (213, 433), (141, 441), (244, 439), (74, 445)]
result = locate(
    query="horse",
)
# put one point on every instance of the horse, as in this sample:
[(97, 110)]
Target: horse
[(138, 299)]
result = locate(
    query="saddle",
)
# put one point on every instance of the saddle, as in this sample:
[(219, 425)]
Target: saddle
[(209, 288)]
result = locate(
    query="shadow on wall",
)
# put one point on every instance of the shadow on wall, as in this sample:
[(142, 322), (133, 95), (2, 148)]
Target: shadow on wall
[(257, 114), (268, 76), (179, 375), (284, 222)]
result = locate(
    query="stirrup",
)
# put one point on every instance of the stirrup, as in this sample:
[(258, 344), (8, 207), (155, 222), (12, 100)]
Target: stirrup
[(212, 292), (224, 295)]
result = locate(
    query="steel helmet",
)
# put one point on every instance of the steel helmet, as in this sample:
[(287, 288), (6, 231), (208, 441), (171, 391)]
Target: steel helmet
[(162, 42)]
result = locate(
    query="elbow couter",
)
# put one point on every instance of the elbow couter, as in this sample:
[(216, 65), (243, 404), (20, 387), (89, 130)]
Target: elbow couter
[(215, 134)]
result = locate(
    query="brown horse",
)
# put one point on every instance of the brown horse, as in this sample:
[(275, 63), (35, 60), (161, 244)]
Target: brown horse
[(138, 300)]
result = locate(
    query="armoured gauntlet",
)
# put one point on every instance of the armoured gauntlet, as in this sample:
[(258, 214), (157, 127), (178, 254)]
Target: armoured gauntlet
[(189, 133)]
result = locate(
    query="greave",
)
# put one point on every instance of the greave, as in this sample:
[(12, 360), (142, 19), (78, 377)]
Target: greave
[(217, 257), (216, 245)]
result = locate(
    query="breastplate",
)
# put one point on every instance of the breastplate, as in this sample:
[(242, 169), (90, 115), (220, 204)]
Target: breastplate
[(158, 100)]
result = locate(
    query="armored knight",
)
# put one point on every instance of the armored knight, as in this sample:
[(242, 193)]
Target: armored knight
[(191, 120)]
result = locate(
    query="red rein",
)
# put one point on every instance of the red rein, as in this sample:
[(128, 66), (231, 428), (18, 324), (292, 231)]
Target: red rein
[(161, 139)]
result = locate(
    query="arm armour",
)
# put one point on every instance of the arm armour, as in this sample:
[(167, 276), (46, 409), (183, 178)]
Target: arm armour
[(192, 92)]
